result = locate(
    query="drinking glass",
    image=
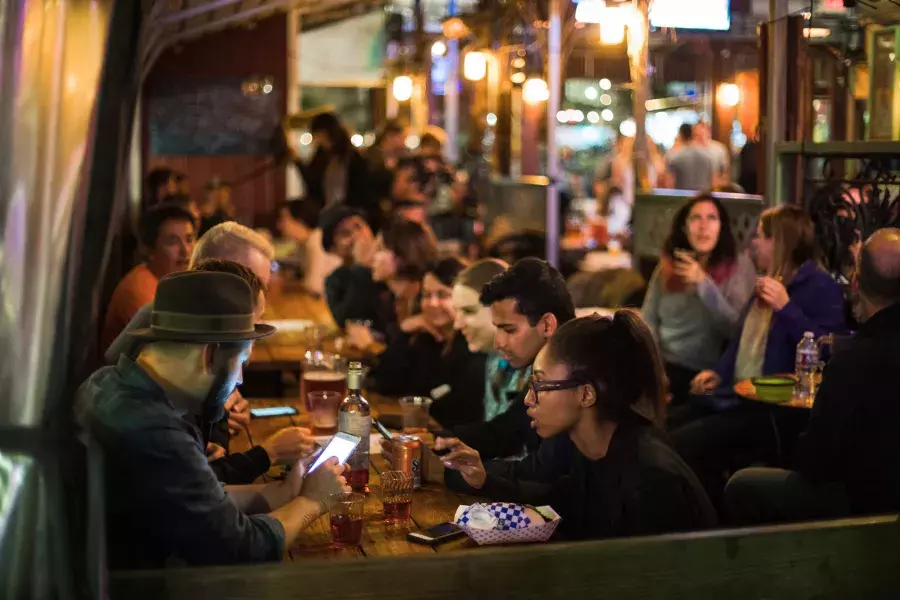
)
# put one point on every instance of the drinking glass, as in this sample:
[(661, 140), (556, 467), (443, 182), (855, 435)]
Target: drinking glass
[(414, 410), (346, 519), (396, 495), (323, 372), (324, 405)]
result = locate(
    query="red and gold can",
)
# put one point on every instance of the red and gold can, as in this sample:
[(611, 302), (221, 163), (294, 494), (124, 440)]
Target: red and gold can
[(407, 457)]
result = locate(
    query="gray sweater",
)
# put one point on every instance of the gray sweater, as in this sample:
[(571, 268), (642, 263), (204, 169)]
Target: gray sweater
[(693, 326)]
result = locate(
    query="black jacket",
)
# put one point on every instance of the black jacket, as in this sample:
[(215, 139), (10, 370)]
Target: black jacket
[(507, 435), (359, 193), (853, 435), (352, 294), (416, 365), (641, 486)]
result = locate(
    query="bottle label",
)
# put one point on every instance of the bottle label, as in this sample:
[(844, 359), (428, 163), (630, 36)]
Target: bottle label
[(359, 425)]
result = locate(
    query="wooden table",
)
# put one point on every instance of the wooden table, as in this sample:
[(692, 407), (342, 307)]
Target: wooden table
[(287, 300), (432, 505)]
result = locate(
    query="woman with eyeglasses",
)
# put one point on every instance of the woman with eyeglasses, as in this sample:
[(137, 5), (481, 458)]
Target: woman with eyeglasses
[(597, 401), (432, 360)]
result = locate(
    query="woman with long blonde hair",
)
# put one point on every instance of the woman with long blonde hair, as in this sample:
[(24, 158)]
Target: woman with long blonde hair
[(793, 295)]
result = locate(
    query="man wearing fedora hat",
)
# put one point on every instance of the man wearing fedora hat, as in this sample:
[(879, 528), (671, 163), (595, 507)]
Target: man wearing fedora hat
[(164, 504), (235, 243)]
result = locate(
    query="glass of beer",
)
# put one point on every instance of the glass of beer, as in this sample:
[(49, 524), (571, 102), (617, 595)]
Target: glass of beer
[(414, 410), (324, 406), (323, 372), (396, 495), (346, 519)]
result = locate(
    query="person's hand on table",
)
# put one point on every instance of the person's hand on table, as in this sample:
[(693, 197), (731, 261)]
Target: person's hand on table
[(324, 482), (464, 459), (289, 445), (237, 409), (214, 452), (418, 324), (705, 383), (772, 292)]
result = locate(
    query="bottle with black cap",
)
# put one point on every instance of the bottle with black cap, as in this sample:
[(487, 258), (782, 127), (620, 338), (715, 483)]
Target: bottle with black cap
[(355, 418)]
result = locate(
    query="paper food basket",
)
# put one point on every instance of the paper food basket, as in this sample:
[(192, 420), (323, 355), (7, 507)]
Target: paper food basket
[(536, 533)]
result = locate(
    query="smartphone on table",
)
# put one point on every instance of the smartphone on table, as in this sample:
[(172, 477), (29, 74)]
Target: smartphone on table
[(272, 411), (341, 445), (436, 535)]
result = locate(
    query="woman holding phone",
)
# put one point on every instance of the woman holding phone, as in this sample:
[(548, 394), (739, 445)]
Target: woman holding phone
[(695, 296), (596, 400)]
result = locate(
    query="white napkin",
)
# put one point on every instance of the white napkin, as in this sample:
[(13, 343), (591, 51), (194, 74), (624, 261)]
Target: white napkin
[(479, 517)]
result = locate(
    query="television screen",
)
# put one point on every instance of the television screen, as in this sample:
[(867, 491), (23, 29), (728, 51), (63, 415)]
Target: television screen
[(703, 14)]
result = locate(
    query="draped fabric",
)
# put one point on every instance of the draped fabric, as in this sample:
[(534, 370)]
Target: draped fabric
[(68, 81)]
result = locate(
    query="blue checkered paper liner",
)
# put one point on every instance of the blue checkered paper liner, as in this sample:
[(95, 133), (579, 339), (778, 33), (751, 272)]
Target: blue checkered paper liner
[(509, 516)]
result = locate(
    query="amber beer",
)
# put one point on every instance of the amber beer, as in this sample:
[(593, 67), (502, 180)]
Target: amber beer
[(322, 381)]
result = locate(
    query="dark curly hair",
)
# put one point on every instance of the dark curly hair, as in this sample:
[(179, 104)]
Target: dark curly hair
[(726, 248), (620, 358), (536, 287)]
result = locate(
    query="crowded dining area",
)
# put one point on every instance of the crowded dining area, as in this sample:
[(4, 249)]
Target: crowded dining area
[(449, 299)]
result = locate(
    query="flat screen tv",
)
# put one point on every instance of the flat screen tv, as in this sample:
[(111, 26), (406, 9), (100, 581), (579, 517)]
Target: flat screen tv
[(710, 15)]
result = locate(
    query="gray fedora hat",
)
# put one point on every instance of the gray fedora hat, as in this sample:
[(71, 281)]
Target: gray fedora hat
[(203, 307)]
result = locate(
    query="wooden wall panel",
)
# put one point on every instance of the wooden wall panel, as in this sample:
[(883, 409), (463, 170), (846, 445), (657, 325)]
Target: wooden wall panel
[(260, 49)]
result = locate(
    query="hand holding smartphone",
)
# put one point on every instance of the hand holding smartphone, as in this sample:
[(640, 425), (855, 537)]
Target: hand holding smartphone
[(341, 446)]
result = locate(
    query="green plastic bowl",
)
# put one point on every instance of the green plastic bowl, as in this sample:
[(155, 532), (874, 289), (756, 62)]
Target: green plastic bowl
[(774, 389)]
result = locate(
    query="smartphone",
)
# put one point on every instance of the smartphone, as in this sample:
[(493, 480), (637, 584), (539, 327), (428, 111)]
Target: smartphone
[(436, 535), (272, 411), (341, 445), (382, 429)]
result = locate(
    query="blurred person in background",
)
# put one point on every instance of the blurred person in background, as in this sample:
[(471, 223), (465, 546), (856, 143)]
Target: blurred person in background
[(337, 173), (432, 359), (717, 151), (298, 221), (697, 292), (350, 291), (160, 182), (689, 167), (403, 251), (216, 207), (166, 235)]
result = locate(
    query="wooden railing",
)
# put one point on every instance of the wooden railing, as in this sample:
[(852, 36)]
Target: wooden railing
[(858, 558)]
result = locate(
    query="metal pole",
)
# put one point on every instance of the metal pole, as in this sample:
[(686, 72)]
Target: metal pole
[(554, 82), (293, 185), (777, 80), (451, 95), (638, 55)]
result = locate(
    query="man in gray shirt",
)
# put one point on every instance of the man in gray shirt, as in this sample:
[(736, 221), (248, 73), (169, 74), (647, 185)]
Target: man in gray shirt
[(689, 167)]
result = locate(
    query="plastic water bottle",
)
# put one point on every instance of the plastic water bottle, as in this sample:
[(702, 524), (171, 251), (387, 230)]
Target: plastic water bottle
[(805, 365)]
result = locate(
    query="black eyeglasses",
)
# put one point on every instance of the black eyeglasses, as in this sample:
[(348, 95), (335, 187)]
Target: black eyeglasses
[(554, 386)]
